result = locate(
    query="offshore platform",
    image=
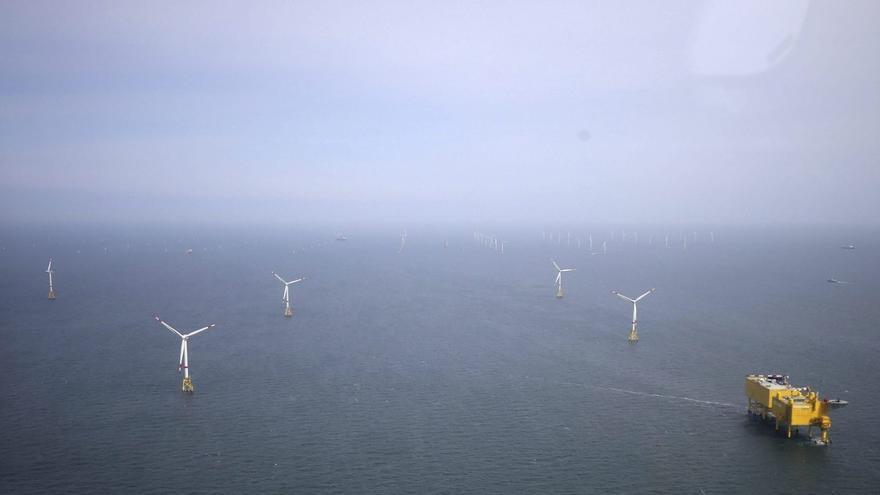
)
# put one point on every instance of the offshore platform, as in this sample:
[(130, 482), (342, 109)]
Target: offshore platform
[(771, 397)]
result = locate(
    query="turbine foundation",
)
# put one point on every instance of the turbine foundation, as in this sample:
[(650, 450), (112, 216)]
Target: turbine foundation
[(51, 295), (288, 312), (187, 385), (633, 336), (559, 292)]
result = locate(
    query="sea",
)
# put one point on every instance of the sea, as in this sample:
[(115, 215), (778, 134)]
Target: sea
[(435, 365)]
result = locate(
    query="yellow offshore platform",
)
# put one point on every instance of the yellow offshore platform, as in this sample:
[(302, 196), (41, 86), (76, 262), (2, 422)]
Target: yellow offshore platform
[(772, 397)]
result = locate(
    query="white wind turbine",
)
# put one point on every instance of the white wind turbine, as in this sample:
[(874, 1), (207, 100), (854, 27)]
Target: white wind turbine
[(633, 334), (559, 273), (187, 385), (286, 297), (402, 242), (50, 271)]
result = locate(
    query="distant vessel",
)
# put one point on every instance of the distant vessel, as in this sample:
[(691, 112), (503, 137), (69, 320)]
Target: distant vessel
[(772, 397), (835, 281), (848, 246), (340, 237), (189, 251)]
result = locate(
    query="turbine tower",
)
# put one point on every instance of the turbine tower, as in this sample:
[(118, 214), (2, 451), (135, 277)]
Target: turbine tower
[(50, 271), (286, 297), (559, 273), (187, 385), (633, 334), (402, 242)]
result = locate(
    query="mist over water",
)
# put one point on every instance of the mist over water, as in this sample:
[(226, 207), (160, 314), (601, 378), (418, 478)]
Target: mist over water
[(438, 369)]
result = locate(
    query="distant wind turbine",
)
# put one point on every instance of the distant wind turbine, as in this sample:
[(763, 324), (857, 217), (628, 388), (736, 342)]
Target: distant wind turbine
[(633, 334), (402, 242), (50, 271), (559, 273), (285, 298)]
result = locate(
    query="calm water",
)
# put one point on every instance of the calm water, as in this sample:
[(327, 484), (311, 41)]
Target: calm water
[(437, 370)]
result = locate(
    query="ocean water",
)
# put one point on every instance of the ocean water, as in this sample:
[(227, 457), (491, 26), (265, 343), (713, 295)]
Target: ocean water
[(435, 370)]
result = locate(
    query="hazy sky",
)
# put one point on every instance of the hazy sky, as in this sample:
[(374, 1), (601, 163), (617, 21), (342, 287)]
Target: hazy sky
[(423, 111)]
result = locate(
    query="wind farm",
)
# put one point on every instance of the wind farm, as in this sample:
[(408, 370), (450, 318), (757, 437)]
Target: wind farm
[(405, 171), (452, 307)]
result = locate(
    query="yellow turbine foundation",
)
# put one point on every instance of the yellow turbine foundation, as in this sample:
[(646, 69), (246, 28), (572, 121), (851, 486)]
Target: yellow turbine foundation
[(633, 336), (187, 385), (51, 295)]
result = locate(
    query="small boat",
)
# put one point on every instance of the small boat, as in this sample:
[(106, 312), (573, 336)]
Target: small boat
[(836, 403), (341, 237), (848, 246)]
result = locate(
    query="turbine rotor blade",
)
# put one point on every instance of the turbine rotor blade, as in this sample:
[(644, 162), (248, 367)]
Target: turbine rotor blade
[(200, 330), (618, 294), (557, 266), (279, 278), (169, 327), (645, 294)]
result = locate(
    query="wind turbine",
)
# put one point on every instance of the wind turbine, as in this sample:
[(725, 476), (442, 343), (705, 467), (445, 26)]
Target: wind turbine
[(633, 334), (187, 385), (50, 271), (559, 273), (402, 242), (286, 297)]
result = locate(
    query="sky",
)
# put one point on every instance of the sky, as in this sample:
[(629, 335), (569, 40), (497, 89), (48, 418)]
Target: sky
[(407, 112)]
